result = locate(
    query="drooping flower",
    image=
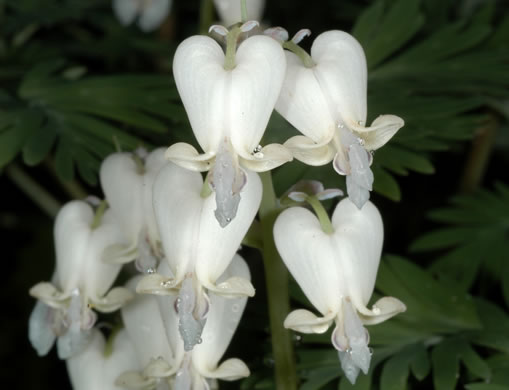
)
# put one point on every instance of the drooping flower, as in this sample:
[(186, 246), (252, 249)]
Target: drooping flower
[(229, 10), (153, 322), (327, 102), (127, 180), (80, 283), (149, 14), (197, 249), (337, 273), (228, 111), (95, 368)]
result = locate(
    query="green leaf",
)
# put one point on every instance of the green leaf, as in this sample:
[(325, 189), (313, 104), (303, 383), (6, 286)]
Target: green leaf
[(385, 184), (39, 145), (64, 164), (445, 364), (485, 386), (420, 364), (319, 377)]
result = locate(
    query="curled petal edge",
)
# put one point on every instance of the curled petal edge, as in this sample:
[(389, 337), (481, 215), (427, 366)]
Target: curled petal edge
[(309, 152), (269, 157), (49, 294), (306, 322), (114, 300), (233, 287), (186, 156), (229, 370), (157, 284), (382, 310), (382, 129)]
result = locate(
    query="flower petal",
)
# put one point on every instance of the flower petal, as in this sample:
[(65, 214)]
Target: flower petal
[(49, 294), (380, 132), (213, 259), (342, 73), (310, 257), (178, 207), (382, 310), (126, 10), (186, 156), (358, 240), (72, 234), (303, 103), (40, 331), (114, 300), (255, 86), (153, 14), (229, 10), (157, 284), (269, 157), (202, 84), (306, 150), (306, 322), (222, 320)]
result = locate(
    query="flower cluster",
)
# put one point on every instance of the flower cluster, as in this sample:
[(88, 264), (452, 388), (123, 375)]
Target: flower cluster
[(182, 230)]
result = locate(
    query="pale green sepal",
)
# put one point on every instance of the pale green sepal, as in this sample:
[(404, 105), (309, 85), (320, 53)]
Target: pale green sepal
[(306, 322), (114, 300)]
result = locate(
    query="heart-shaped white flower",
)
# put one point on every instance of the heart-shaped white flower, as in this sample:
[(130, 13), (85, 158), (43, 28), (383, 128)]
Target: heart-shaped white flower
[(148, 13), (229, 111), (337, 273), (328, 104)]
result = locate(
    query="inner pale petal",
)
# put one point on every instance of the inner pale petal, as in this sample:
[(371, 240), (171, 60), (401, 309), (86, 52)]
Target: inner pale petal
[(190, 328)]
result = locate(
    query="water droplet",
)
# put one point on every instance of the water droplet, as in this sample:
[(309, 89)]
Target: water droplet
[(199, 341), (228, 219), (360, 123), (376, 310), (361, 141), (258, 149), (341, 126), (150, 271), (349, 351), (370, 351), (258, 155)]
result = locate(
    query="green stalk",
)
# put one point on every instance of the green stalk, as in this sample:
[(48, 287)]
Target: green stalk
[(243, 11), (231, 48), (206, 16), (276, 277), (322, 215), (99, 213), (33, 190), (300, 52)]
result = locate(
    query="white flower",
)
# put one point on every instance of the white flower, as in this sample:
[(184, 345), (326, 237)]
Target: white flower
[(127, 181), (337, 273), (81, 280), (93, 370), (152, 324), (328, 104), (229, 10), (229, 111), (150, 14)]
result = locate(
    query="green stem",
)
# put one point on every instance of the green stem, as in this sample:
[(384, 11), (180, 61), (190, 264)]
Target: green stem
[(140, 165), (322, 215), (205, 188), (231, 48), (73, 188), (99, 213), (300, 52), (108, 348), (479, 156), (276, 276), (243, 11), (33, 190), (206, 16)]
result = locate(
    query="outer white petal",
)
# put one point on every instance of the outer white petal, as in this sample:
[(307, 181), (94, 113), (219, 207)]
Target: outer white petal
[(126, 10), (153, 14), (98, 276), (203, 83), (215, 246), (222, 321), (229, 10), (91, 370), (40, 331), (306, 150), (310, 257), (270, 157), (178, 205), (255, 86), (358, 240), (144, 324), (303, 104), (306, 322), (382, 310), (342, 73), (72, 238), (186, 156), (381, 131), (123, 188), (153, 164)]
